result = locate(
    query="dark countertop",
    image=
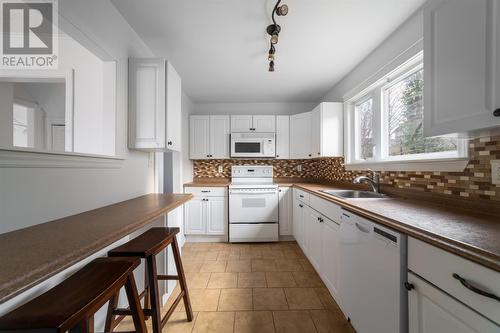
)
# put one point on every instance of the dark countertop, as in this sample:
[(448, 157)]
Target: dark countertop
[(472, 234), (31, 255), (469, 234)]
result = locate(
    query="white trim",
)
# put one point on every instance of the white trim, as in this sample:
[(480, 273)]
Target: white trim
[(32, 159), (445, 165)]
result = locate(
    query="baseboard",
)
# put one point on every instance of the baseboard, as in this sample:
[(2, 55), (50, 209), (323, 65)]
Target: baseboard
[(286, 238), (206, 239)]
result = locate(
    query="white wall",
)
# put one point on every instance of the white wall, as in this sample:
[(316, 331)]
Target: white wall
[(252, 108), (402, 39), (30, 196)]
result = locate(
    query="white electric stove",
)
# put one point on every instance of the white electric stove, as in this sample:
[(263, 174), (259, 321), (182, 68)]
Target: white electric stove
[(253, 205)]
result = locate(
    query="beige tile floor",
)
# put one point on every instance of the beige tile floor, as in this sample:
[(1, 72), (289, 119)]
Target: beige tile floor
[(246, 288)]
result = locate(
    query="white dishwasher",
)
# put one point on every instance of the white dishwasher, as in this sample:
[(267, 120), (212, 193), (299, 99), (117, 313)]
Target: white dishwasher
[(372, 276)]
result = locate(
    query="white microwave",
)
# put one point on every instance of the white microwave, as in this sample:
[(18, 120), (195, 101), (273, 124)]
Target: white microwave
[(253, 145)]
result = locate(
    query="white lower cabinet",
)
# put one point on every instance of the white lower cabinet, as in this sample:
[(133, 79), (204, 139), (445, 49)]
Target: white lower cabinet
[(314, 235), (207, 212), (285, 211), (299, 215), (433, 311), (330, 258)]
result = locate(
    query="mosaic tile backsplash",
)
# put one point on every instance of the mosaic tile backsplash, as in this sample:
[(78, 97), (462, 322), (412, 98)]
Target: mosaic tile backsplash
[(473, 183)]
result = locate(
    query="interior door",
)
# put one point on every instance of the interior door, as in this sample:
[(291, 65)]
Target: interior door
[(219, 136), (300, 135), (217, 216), (431, 311), (241, 123), (199, 137), (264, 124)]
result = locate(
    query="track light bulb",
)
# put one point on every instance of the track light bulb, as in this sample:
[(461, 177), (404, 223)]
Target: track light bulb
[(282, 10), (271, 66), (274, 39)]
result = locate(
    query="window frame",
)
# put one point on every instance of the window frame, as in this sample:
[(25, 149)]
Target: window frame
[(438, 161)]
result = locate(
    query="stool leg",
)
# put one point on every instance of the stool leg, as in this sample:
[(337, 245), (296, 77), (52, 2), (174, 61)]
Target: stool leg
[(146, 287), (154, 294), (135, 305), (109, 323), (182, 279)]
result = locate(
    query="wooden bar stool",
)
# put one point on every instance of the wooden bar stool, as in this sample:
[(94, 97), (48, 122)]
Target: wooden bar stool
[(147, 246), (70, 306)]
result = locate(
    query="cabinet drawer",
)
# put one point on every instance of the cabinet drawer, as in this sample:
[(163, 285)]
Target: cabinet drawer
[(438, 267), (207, 191), (301, 195), (325, 207)]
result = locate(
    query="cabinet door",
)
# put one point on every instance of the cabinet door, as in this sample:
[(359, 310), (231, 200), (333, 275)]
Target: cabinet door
[(313, 230), (173, 109), (460, 63), (297, 221), (147, 103), (195, 217), (300, 135), (219, 136), (316, 132), (217, 222), (241, 123), (431, 310), (264, 123), (282, 137), (330, 257), (285, 211), (199, 137)]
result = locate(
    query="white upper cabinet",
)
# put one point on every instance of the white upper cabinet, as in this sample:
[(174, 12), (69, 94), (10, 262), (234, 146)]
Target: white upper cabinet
[(199, 137), (241, 123), (219, 136), (264, 124), (282, 137), (461, 66), (300, 135), (253, 123), (208, 137), (327, 134), (155, 93)]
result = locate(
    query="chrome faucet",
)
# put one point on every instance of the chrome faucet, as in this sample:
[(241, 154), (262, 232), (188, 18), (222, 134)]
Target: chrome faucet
[(374, 181)]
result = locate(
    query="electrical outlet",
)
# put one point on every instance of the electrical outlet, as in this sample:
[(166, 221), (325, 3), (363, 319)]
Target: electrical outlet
[(220, 169), (495, 172), (299, 168)]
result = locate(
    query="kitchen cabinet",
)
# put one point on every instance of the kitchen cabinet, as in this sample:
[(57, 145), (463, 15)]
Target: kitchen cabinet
[(300, 136), (330, 259), (207, 212), (208, 137), (462, 74), (313, 233), (299, 215), (327, 130), (155, 93), (282, 137), (431, 310), (285, 211), (444, 270), (257, 123)]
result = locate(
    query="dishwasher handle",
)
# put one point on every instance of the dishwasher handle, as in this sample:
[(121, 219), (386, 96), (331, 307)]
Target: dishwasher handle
[(362, 228)]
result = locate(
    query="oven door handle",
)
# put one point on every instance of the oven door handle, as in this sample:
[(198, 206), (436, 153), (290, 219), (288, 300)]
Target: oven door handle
[(236, 192)]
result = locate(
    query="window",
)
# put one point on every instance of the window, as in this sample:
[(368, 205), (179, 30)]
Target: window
[(23, 125), (385, 122)]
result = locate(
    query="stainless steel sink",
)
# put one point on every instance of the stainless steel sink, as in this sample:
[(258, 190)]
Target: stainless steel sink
[(352, 194)]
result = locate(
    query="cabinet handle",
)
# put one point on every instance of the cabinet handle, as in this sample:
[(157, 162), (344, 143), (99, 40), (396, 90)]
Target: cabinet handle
[(300, 195), (208, 155), (277, 155), (310, 155), (409, 286), (469, 286), (301, 206), (205, 191), (169, 143), (496, 113)]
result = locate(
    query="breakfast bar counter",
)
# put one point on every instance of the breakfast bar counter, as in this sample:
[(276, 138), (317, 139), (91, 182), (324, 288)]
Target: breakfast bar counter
[(31, 255)]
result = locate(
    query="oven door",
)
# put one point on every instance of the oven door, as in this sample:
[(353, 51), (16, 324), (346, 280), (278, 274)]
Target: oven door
[(246, 148), (253, 205)]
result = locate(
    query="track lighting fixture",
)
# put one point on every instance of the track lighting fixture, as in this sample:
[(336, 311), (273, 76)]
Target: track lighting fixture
[(274, 30)]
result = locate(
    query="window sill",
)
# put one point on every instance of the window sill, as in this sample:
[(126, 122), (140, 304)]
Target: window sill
[(25, 159), (445, 165)]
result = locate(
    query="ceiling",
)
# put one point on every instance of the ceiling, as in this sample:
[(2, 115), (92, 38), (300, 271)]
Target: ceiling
[(219, 47)]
